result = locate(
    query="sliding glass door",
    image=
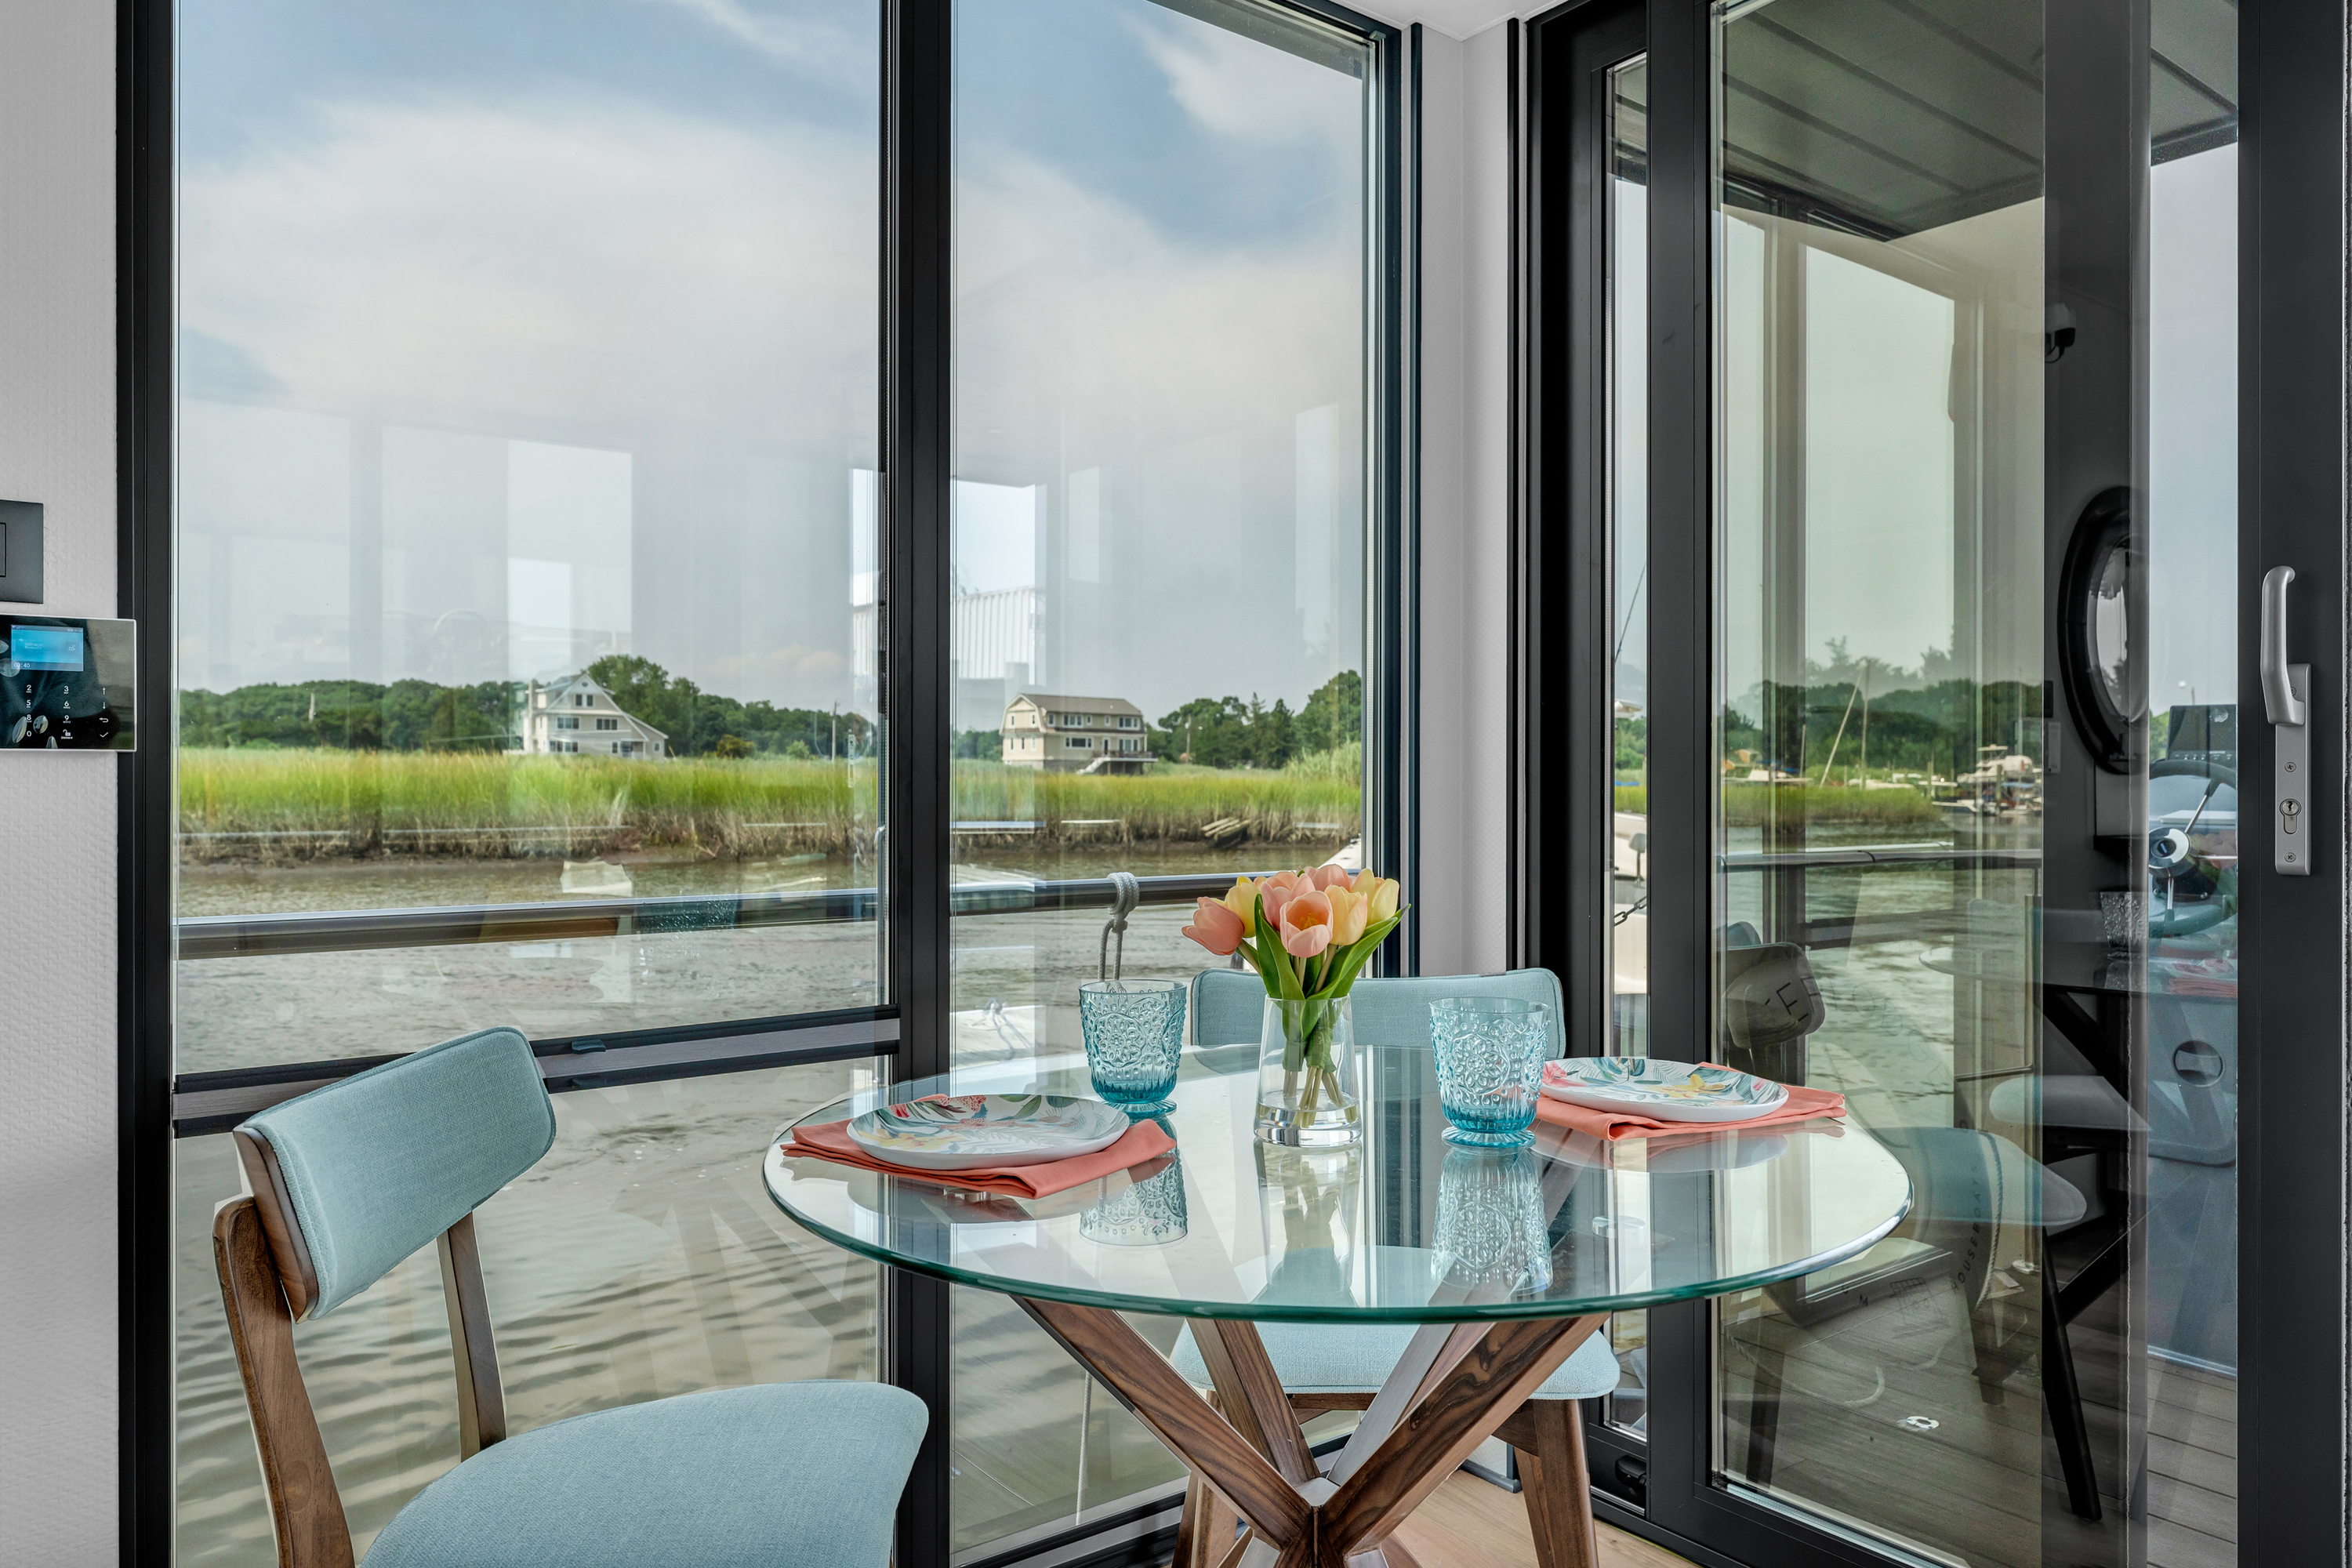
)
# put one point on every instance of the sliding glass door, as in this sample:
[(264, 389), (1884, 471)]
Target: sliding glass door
[(1941, 799)]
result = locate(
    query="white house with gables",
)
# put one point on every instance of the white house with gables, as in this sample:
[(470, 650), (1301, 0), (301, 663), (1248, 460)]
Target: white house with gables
[(579, 718), (1075, 734)]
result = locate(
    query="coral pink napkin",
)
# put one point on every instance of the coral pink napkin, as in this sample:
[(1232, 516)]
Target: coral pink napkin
[(1802, 1105), (1144, 1140)]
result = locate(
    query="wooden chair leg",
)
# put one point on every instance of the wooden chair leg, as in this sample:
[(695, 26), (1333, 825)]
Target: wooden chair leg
[(1553, 1480)]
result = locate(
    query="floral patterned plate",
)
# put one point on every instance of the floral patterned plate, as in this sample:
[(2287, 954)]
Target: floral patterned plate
[(1662, 1090), (961, 1133)]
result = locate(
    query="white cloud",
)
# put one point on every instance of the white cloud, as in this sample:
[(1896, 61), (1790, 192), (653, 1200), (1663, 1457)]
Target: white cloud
[(604, 274), (793, 41), (569, 264), (1239, 87)]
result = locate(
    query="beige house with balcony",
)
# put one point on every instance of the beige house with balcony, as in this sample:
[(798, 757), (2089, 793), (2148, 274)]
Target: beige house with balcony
[(1075, 734), (579, 718)]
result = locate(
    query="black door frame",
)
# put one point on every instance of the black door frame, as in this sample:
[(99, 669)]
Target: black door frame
[(2293, 997)]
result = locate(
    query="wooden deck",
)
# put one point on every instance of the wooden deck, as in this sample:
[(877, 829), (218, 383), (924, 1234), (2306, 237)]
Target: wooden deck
[(1981, 1485)]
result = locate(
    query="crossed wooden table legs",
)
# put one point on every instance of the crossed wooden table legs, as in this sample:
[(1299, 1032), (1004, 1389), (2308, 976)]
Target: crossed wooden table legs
[(1456, 1385)]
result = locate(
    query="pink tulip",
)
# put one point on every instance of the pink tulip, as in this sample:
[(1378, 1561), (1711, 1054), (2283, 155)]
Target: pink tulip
[(1326, 877), (1276, 890), (1218, 929), (1306, 924)]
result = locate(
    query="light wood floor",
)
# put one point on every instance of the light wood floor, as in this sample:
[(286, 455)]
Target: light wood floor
[(1472, 1523)]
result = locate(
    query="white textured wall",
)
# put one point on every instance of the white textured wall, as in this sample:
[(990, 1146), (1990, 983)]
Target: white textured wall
[(1466, 503), (57, 1404)]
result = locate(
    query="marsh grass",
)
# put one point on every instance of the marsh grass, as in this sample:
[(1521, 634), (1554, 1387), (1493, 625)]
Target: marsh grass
[(1748, 805), (256, 804)]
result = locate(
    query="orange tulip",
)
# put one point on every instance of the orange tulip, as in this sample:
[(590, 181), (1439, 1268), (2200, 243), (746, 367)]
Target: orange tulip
[(1216, 928), (1306, 923)]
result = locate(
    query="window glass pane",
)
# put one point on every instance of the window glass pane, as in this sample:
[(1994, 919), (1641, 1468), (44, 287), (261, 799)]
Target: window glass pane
[(527, 397), (1628, 269), (641, 1257), (1158, 524), (1931, 481)]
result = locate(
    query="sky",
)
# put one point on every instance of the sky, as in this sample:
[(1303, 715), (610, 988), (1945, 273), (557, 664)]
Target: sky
[(513, 334)]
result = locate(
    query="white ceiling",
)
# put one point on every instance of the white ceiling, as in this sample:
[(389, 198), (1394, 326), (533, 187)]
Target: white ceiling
[(1459, 18)]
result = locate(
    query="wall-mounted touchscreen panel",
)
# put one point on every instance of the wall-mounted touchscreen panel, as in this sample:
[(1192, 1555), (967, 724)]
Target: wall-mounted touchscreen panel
[(68, 685)]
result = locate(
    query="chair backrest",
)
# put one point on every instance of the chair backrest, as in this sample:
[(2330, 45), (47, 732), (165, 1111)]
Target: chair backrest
[(347, 1182), (366, 1171), (1228, 1005)]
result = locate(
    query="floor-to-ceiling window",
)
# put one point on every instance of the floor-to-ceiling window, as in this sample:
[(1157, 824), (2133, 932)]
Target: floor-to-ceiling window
[(526, 442), (1162, 466), (531, 553)]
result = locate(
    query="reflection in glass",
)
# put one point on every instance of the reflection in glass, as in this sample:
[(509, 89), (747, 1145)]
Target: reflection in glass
[(526, 510), (1902, 457), (1493, 1233), (1157, 527)]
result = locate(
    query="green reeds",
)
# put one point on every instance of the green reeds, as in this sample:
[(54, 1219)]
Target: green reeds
[(256, 804)]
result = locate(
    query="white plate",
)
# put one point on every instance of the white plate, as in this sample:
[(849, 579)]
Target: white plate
[(1662, 1090), (957, 1133)]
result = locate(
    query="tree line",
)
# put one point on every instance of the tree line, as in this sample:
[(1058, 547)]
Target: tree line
[(1227, 732), (420, 715)]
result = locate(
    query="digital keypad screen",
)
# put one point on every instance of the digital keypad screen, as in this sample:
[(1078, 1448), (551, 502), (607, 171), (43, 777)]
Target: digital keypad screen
[(46, 647)]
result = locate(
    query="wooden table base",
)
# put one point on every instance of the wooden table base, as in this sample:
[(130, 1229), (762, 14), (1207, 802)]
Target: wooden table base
[(1454, 1387)]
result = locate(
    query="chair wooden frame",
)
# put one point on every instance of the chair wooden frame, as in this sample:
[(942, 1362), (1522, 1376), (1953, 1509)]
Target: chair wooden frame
[(267, 1282)]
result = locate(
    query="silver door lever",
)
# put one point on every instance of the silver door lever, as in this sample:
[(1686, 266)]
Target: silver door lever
[(2285, 689), (2280, 698)]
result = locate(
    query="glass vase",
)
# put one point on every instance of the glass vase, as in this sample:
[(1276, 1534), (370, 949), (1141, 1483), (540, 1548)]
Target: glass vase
[(1309, 1091)]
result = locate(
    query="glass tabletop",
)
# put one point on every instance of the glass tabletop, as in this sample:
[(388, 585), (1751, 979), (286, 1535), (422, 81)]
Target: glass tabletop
[(1405, 1227)]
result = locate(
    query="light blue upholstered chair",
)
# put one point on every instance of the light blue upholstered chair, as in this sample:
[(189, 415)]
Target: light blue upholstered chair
[(1340, 1367), (349, 1180)]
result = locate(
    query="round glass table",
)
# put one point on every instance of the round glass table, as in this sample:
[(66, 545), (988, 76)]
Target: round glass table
[(1508, 1258)]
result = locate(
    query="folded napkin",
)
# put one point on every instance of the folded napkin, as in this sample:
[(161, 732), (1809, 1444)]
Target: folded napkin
[(1802, 1105), (1146, 1139)]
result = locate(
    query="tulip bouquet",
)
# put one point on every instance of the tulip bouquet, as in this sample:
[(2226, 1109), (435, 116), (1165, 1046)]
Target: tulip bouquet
[(1307, 934)]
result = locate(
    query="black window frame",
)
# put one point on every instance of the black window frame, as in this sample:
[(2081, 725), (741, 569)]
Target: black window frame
[(907, 1035)]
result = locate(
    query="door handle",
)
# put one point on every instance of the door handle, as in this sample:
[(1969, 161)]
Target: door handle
[(2286, 690), (2283, 703)]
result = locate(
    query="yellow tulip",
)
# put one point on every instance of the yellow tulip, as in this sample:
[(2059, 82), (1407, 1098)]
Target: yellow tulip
[(1242, 898), (1384, 899), (1350, 913)]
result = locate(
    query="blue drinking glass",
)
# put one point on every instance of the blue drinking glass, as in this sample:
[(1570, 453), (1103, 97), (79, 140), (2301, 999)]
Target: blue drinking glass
[(1135, 1033), (1490, 1057)]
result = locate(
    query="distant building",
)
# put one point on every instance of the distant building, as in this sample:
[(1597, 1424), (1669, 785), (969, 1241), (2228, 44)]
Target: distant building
[(578, 717), (1075, 734)]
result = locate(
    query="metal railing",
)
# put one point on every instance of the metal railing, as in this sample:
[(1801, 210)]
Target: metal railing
[(361, 930)]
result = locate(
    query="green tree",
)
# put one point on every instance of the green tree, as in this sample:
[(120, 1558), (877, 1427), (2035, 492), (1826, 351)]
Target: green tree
[(1334, 714)]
